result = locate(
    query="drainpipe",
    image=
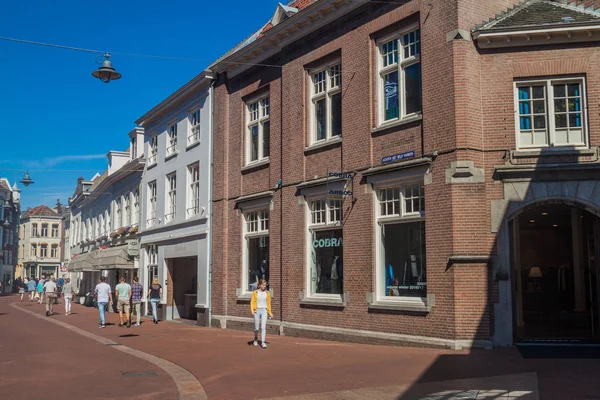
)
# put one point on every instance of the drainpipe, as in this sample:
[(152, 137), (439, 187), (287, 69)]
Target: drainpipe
[(210, 198), (281, 202)]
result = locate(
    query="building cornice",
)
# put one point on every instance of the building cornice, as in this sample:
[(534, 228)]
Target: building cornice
[(537, 35), (308, 20), (129, 168)]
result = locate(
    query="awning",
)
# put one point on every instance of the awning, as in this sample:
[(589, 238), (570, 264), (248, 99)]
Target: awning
[(112, 258), (83, 262)]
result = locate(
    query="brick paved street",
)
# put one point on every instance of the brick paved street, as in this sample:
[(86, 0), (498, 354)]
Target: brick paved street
[(228, 368)]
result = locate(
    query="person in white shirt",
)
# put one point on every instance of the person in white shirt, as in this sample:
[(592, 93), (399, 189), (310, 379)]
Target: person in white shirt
[(103, 294), (50, 292)]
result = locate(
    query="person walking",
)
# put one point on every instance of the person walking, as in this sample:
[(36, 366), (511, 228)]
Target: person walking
[(123, 292), (68, 293), (50, 290), (155, 293), (103, 294), (260, 306), (137, 292), (60, 282), (1, 288), (40, 290), (31, 288), (22, 291)]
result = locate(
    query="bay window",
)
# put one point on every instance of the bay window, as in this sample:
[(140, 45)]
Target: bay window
[(551, 113), (399, 76), (255, 248), (401, 242), (326, 103), (258, 130), (325, 249)]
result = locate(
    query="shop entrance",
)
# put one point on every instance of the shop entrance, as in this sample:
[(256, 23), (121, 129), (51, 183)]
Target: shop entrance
[(555, 255), (183, 282)]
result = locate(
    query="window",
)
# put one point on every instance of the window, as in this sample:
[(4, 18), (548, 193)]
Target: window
[(43, 250), (172, 140), (551, 113), (136, 208), (326, 98), (54, 230), (34, 230), (171, 197), (10, 260), (153, 150), (193, 206), (127, 210), (107, 219), (400, 76), (401, 242), (326, 247), (54, 251), (153, 257), (258, 136), (151, 204), (194, 132), (44, 230), (118, 214), (256, 251)]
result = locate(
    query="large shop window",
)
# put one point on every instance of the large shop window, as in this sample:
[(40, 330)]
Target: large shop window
[(326, 247), (551, 113), (399, 76), (401, 220), (256, 254)]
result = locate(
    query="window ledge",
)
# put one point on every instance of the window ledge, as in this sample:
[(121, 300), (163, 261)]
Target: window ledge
[(552, 151), (324, 302), (173, 155), (192, 145), (256, 164), (243, 297), (152, 165), (400, 122), (323, 144), (411, 306)]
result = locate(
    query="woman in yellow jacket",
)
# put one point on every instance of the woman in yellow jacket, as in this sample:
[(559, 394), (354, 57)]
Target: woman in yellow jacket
[(260, 306)]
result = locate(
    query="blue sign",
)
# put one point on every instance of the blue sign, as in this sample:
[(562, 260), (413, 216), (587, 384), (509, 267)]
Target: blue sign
[(398, 157)]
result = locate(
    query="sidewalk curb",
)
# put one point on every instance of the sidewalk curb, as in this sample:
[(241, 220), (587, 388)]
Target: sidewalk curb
[(188, 386)]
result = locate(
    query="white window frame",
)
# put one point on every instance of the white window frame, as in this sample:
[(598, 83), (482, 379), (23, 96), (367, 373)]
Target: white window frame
[(54, 251), (54, 233), (44, 231), (193, 206), (320, 224), (550, 113), (402, 216), (33, 250), (107, 221), (194, 127), (171, 148), (255, 228), (332, 85), (400, 66), (153, 153), (133, 148), (118, 213), (151, 221), (44, 250), (136, 208), (34, 230), (257, 118), (127, 221), (171, 198)]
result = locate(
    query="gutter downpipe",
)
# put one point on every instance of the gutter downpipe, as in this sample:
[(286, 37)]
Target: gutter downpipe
[(210, 198)]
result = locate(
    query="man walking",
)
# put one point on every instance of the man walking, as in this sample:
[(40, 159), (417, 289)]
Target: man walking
[(137, 291), (103, 294), (68, 293), (123, 291), (31, 285), (50, 292)]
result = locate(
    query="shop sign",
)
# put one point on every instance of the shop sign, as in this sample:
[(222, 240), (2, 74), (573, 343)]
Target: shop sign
[(343, 175), (340, 192), (133, 247), (346, 191), (398, 157), (328, 242)]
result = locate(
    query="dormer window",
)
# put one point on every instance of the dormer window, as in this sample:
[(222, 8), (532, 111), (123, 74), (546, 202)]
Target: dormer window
[(282, 13), (133, 152)]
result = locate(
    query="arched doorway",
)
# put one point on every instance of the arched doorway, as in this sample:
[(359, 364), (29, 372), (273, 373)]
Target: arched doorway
[(554, 261)]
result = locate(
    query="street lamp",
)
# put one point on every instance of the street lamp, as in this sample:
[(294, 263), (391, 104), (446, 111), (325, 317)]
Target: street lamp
[(26, 179), (106, 72)]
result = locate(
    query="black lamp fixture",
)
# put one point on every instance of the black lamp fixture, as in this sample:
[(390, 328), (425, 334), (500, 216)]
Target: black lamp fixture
[(106, 72), (26, 179), (6, 224)]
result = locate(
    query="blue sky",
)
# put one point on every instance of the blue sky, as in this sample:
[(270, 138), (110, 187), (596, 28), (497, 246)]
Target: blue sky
[(57, 120)]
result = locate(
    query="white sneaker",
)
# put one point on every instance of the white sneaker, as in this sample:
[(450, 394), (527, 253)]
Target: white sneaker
[(138, 324), (255, 343), (263, 345)]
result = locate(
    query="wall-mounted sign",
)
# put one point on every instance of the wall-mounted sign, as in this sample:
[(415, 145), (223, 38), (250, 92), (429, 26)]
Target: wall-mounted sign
[(328, 242), (340, 192), (133, 247), (342, 175), (398, 157)]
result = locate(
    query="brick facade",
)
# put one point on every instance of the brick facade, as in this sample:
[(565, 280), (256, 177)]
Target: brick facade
[(467, 115)]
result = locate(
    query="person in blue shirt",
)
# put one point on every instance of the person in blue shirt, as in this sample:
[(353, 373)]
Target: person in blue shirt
[(31, 286)]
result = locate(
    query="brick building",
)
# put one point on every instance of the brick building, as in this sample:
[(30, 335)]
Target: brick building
[(394, 170)]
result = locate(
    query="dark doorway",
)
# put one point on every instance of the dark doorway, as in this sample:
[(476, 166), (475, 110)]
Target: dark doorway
[(183, 277), (555, 255)]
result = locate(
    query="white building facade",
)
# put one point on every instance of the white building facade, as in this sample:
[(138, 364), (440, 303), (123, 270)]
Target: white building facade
[(104, 220), (40, 231), (176, 200), (9, 239)]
